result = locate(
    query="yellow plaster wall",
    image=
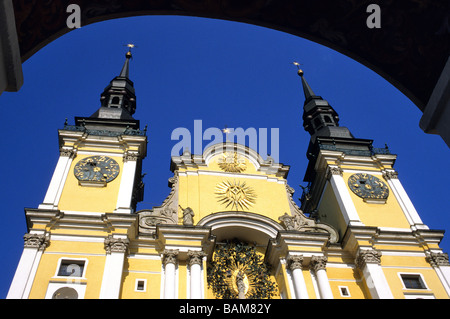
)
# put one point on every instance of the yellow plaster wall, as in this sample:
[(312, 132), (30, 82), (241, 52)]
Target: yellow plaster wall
[(47, 270), (198, 190), (90, 199), (147, 269), (389, 214), (329, 211)]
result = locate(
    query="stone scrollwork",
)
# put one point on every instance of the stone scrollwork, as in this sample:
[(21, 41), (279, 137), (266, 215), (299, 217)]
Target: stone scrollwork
[(318, 263), (390, 175), (299, 222), (38, 241), (170, 256), (195, 257), (166, 214), (437, 259), (295, 262), (367, 256)]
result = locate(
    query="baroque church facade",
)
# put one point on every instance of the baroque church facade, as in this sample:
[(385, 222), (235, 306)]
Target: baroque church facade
[(229, 227)]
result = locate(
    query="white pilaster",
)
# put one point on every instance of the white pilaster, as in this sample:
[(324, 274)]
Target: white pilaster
[(345, 202), (58, 180), (295, 265), (318, 263), (116, 247), (196, 282), (441, 265), (26, 270), (404, 200), (126, 185), (170, 261), (368, 260)]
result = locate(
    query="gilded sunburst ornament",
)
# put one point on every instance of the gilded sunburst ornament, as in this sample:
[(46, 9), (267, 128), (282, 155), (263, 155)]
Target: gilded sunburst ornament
[(236, 195), (232, 162)]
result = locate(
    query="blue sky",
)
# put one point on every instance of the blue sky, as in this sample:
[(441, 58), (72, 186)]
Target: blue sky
[(223, 73)]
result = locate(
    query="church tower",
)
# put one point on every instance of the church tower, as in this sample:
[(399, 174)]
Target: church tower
[(353, 187), (229, 227), (94, 190)]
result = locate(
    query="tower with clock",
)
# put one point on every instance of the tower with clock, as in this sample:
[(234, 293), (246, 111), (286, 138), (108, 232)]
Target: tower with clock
[(229, 227)]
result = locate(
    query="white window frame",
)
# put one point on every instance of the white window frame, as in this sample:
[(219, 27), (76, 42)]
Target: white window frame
[(85, 260), (137, 284), (419, 275), (346, 289)]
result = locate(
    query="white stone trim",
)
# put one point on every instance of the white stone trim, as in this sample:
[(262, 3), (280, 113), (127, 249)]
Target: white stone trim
[(126, 187), (405, 203), (344, 200), (57, 183)]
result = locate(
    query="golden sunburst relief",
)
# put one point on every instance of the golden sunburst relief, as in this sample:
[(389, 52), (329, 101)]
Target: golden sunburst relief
[(232, 162), (235, 194)]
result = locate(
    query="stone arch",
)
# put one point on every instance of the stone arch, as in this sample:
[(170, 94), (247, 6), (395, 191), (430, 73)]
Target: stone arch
[(411, 49)]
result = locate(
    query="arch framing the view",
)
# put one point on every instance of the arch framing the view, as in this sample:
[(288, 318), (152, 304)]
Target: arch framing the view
[(410, 50)]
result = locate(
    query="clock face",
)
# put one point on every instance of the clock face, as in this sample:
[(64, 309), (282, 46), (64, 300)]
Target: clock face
[(368, 186), (96, 169)]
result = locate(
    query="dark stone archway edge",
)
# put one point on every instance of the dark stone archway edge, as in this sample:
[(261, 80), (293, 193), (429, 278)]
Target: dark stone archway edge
[(409, 50)]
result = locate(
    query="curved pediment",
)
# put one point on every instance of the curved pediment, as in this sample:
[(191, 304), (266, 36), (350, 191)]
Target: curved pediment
[(230, 158)]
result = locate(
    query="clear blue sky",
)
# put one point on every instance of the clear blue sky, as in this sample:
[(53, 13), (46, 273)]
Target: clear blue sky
[(223, 73)]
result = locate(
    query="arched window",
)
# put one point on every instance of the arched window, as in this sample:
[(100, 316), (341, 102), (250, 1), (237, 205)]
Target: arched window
[(65, 293)]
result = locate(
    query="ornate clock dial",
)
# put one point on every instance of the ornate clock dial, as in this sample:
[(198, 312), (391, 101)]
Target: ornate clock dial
[(368, 186), (96, 169)]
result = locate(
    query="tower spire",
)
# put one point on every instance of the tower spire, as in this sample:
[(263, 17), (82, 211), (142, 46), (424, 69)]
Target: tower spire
[(118, 100), (126, 66), (319, 118)]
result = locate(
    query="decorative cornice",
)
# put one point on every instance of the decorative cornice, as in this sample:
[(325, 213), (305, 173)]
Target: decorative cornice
[(116, 245), (195, 257), (437, 259), (295, 262), (40, 242), (170, 256), (318, 263), (367, 256)]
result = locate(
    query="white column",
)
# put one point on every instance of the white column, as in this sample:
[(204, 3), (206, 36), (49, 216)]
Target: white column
[(26, 270), (127, 184), (441, 265), (318, 263), (115, 247), (368, 260), (404, 200), (345, 202), (196, 283), (58, 180), (170, 261), (295, 265)]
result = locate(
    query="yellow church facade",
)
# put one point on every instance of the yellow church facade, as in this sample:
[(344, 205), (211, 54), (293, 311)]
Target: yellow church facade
[(229, 227)]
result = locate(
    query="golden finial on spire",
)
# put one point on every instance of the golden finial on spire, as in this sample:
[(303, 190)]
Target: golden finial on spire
[(300, 71), (130, 46)]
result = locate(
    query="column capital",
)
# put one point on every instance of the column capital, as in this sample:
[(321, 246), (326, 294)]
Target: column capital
[(437, 259), (319, 263), (334, 170), (367, 256), (295, 262), (170, 256), (116, 245), (195, 257), (66, 152), (390, 175), (38, 241)]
